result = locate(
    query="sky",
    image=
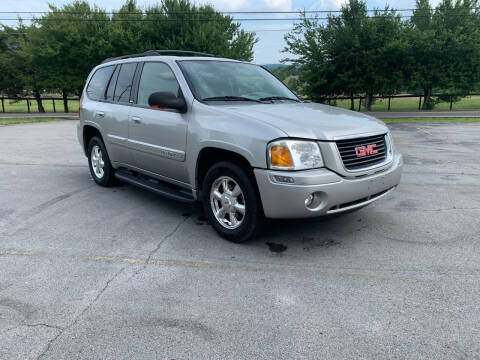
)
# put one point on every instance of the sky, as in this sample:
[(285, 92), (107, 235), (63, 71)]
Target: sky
[(270, 33)]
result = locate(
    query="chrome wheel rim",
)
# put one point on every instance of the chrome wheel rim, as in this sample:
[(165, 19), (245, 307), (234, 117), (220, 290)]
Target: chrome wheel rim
[(227, 202), (96, 159)]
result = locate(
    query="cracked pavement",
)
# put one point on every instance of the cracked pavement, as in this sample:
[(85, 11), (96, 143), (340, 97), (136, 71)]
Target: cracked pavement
[(94, 273)]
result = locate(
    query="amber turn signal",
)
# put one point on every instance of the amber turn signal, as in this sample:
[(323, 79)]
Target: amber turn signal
[(280, 156)]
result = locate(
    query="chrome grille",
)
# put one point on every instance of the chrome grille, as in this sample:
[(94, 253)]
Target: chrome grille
[(352, 161)]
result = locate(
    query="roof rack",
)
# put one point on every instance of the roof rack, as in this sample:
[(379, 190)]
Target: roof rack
[(159, 53)]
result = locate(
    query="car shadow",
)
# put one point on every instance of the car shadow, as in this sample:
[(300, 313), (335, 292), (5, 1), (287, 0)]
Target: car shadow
[(279, 236)]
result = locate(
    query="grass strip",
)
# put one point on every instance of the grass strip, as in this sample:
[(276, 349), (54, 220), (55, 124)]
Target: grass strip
[(11, 121)]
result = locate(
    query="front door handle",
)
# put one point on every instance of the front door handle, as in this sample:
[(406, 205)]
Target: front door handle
[(136, 119), (100, 114)]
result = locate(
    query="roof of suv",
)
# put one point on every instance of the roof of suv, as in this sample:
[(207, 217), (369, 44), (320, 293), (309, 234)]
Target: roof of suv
[(167, 57), (170, 54)]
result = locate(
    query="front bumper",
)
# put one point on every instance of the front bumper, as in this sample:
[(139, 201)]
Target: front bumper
[(333, 193)]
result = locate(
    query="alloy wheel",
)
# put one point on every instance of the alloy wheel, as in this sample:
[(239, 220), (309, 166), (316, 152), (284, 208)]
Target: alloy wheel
[(98, 164), (227, 202)]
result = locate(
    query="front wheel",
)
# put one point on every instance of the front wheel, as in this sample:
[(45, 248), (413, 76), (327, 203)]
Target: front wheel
[(231, 203)]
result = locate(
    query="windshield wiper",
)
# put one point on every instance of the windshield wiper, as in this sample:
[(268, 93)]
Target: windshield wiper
[(278, 98), (230, 98)]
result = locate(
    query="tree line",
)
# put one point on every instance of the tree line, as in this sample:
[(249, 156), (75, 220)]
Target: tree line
[(357, 53), (56, 51)]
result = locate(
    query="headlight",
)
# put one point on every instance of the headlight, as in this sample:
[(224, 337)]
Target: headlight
[(294, 155)]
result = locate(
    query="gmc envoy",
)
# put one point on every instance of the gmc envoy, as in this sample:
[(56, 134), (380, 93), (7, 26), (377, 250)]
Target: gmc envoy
[(228, 133)]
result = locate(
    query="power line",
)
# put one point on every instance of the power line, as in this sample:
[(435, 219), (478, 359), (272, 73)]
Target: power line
[(236, 19), (160, 20), (172, 20), (227, 12), (181, 12), (250, 31), (267, 30)]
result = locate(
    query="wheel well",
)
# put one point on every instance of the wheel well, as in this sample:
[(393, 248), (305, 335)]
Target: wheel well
[(210, 156), (88, 133)]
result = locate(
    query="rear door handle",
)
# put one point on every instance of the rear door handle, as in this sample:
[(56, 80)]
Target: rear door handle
[(100, 114), (136, 119)]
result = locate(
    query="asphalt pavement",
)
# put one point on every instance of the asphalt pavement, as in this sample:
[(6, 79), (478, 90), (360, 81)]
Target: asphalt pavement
[(95, 273)]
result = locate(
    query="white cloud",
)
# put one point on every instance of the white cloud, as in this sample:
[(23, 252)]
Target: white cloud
[(279, 5), (327, 5), (228, 5), (222, 5)]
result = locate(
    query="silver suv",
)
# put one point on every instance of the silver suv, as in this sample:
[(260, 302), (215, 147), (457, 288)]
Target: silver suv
[(228, 133)]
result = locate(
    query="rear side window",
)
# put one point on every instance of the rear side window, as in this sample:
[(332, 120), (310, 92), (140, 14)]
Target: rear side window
[(155, 77), (111, 85), (124, 82), (97, 85)]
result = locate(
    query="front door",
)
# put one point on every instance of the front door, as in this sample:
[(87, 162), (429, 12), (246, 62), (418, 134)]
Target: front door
[(157, 137)]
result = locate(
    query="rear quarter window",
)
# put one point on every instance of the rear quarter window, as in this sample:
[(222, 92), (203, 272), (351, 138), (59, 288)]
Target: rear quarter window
[(98, 83)]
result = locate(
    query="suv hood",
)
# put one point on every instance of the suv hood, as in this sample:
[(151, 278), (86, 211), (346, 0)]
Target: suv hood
[(309, 120)]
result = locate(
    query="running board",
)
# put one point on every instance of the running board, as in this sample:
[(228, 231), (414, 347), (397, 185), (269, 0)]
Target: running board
[(157, 186)]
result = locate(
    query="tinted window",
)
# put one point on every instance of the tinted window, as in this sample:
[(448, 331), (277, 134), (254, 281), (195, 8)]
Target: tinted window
[(111, 85), (156, 77), (124, 82), (98, 83)]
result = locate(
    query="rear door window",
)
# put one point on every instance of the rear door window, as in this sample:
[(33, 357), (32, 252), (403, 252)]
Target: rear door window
[(156, 76), (124, 83), (98, 83), (111, 85)]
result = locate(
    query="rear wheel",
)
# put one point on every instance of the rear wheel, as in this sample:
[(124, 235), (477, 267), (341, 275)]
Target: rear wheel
[(231, 203), (99, 163)]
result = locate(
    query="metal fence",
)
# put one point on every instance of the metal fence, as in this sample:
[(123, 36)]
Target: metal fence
[(31, 101), (451, 101)]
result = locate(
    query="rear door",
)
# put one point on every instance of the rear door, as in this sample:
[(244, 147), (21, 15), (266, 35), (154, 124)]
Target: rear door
[(157, 137), (116, 114), (94, 107)]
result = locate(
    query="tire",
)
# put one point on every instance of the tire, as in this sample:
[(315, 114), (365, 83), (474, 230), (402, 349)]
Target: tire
[(99, 163), (242, 226)]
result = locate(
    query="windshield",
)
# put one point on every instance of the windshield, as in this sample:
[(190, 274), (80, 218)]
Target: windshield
[(233, 81)]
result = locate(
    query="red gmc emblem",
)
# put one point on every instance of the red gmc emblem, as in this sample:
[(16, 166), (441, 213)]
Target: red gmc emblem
[(361, 151)]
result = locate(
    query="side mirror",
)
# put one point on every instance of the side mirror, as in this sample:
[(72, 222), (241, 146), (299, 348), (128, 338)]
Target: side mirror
[(167, 100)]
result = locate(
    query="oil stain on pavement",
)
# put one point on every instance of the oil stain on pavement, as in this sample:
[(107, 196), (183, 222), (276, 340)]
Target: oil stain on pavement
[(276, 248)]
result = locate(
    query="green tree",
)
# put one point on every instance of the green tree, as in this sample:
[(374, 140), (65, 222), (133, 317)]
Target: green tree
[(306, 43), (444, 51), (11, 74), (18, 75), (60, 48), (352, 53), (179, 25), (67, 43)]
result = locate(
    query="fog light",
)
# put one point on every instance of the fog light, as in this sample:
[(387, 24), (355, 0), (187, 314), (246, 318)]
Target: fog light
[(308, 200), (316, 201)]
